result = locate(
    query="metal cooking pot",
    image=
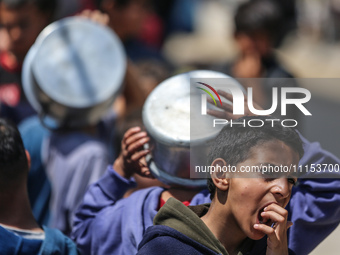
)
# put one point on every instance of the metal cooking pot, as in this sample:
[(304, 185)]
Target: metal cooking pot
[(73, 71), (167, 113)]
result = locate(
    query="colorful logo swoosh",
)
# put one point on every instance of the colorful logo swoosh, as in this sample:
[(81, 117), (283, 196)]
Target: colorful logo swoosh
[(204, 84)]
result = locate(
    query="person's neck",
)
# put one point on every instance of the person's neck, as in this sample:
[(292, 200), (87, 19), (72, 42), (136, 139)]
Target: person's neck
[(15, 211), (222, 225)]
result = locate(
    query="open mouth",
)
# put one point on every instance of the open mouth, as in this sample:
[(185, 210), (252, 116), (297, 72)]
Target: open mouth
[(262, 220)]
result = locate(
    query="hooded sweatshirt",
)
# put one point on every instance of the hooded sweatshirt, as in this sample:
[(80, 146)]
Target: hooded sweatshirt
[(179, 230)]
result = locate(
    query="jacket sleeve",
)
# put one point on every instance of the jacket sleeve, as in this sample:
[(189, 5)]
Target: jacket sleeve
[(102, 194), (56, 242), (315, 204)]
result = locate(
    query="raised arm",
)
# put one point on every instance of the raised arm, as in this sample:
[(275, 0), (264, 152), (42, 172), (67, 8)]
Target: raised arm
[(111, 187), (315, 203)]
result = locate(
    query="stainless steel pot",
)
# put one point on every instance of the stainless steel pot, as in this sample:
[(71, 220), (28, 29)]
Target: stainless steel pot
[(73, 71), (167, 113)]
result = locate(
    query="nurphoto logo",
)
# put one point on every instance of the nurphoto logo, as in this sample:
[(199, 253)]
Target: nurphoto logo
[(239, 99)]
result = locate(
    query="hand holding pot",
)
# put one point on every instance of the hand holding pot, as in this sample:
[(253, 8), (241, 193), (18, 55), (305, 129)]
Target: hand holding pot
[(131, 160)]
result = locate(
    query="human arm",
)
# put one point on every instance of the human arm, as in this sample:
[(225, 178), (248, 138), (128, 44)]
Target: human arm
[(315, 204), (104, 193), (110, 188)]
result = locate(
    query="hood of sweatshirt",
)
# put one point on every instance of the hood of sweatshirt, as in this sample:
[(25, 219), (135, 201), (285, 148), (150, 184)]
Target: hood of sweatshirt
[(187, 221)]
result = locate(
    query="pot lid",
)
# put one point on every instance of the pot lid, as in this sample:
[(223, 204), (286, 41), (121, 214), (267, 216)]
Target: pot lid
[(75, 62), (167, 111)]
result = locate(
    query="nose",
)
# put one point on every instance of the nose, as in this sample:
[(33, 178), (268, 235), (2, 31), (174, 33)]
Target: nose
[(281, 189)]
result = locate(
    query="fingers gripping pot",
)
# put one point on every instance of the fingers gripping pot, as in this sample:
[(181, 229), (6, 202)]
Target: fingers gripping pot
[(73, 72), (178, 131)]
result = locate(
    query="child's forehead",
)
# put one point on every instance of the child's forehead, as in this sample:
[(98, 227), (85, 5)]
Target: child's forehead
[(273, 158), (272, 151), (270, 143)]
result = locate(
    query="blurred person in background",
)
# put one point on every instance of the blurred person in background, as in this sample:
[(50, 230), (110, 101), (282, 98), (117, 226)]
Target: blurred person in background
[(76, 107), (19, 231), (140, 30), (21, 21), (128, 19), (260, 27)]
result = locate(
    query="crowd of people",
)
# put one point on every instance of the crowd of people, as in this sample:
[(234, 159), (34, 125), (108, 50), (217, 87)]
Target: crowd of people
[(74, 180)]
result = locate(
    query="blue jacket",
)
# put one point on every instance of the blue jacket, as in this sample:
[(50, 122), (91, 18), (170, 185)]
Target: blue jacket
[(164, 240), (107, 224), (54, 243)]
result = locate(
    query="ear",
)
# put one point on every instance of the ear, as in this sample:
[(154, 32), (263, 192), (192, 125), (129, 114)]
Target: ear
[(28, 156), (218, 176)]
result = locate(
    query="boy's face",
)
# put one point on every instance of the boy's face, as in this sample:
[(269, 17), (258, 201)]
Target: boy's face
[(258, 43), (247, 197), (22, 26)]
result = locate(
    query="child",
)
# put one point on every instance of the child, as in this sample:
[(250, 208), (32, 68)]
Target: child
[(243, 210)]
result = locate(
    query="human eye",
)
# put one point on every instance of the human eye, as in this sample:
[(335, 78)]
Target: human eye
[(269, 177), (292, 180)]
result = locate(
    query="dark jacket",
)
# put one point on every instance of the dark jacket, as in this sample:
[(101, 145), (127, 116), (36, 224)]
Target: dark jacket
[(179, 230)]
